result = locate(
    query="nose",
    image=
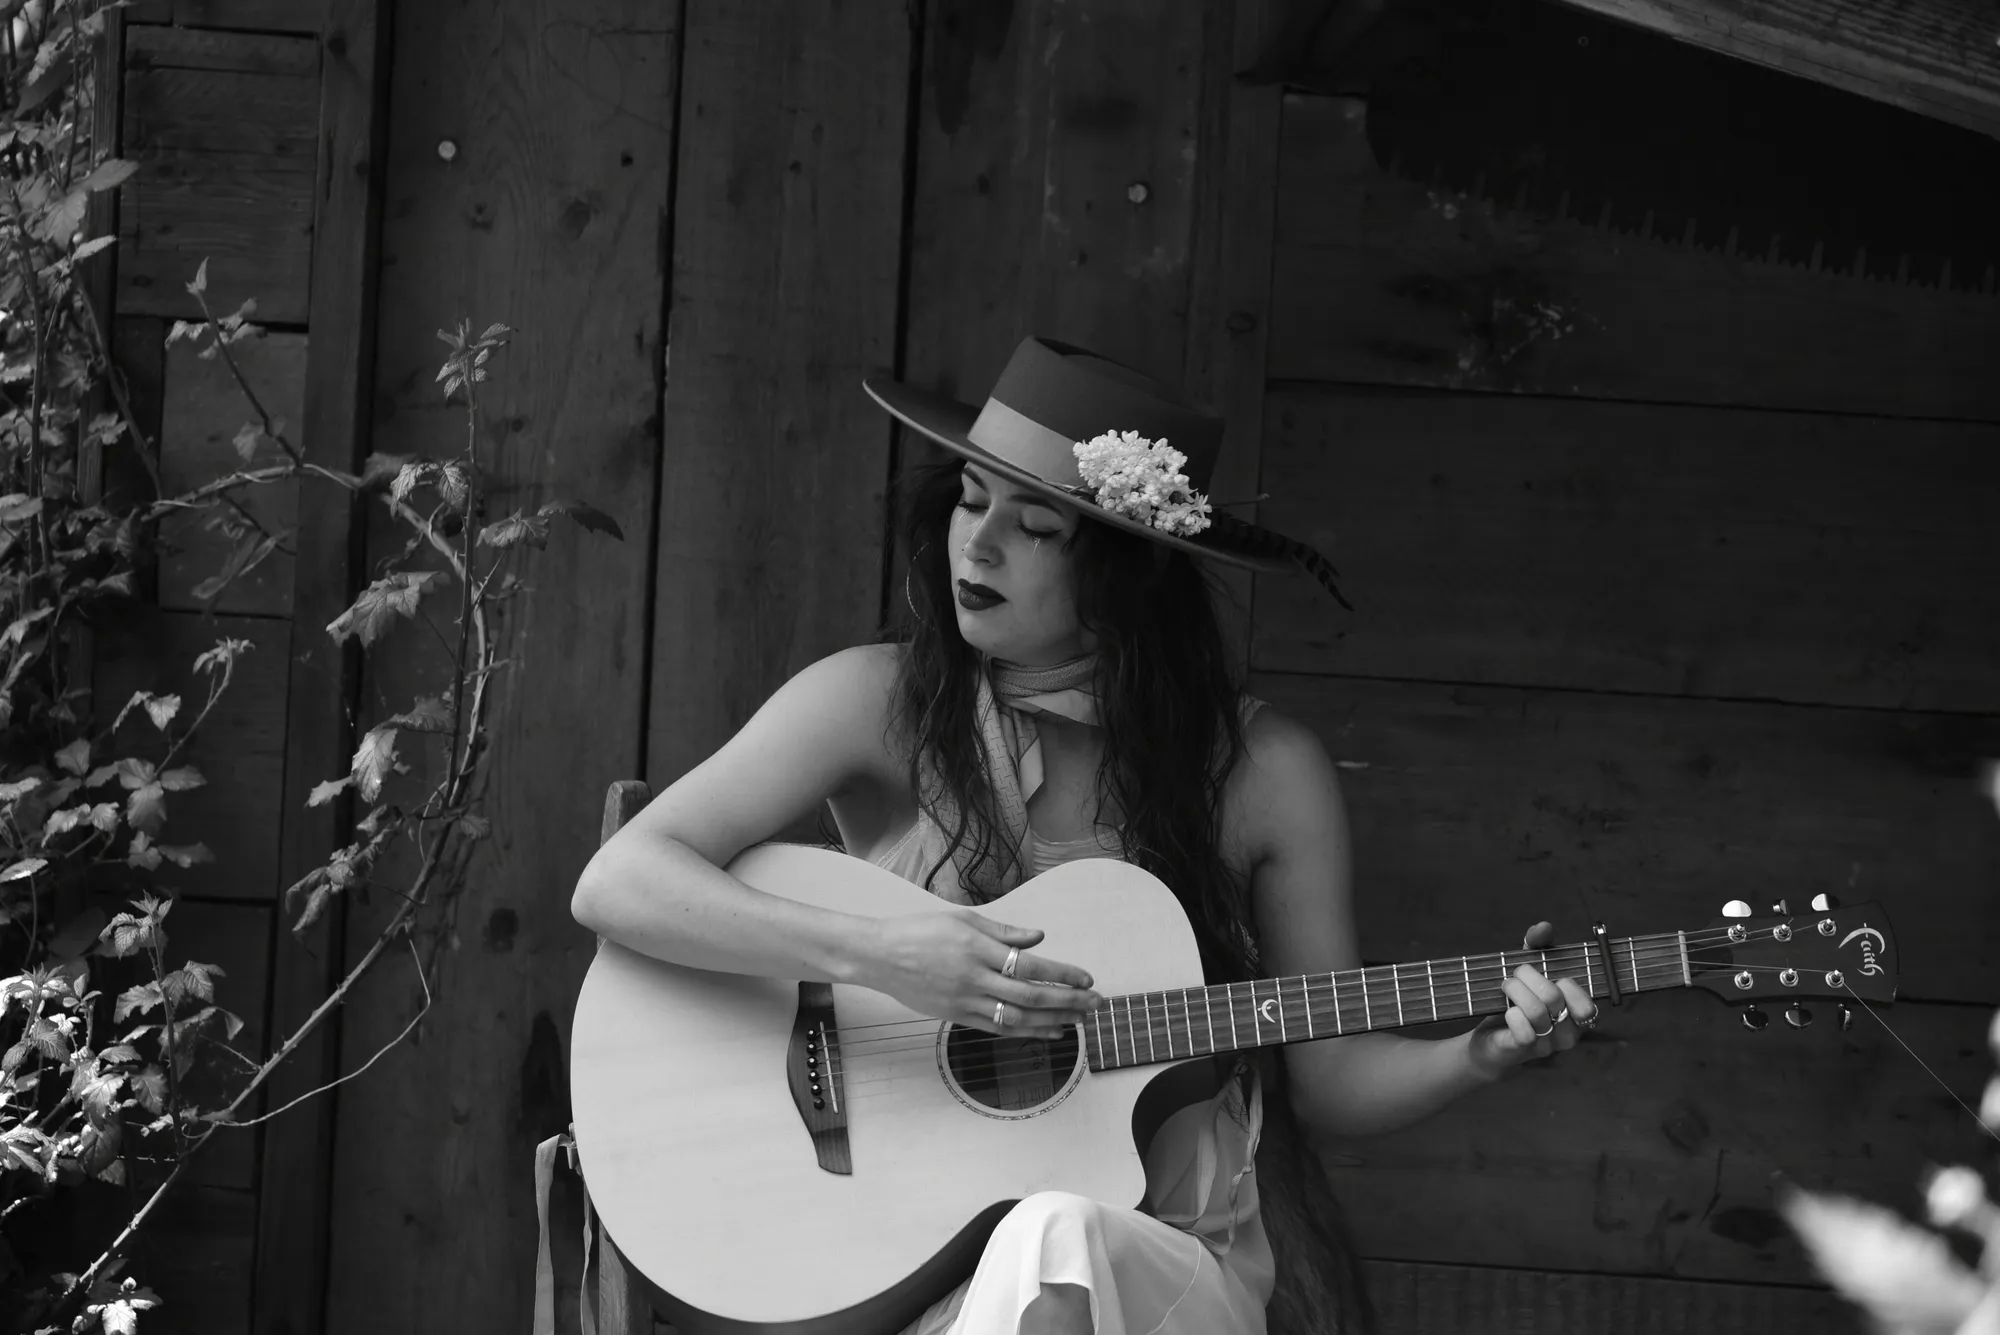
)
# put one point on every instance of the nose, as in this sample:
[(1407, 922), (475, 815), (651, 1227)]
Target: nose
[(980, 544)]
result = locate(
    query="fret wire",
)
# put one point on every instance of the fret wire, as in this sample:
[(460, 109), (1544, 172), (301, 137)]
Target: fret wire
[(1279, 987), (1208, 1009), (1229, 1000), (1396, 981), (1430, 986), (1306, 992), (1367, 1011), (1632, 947), (1687, 976)]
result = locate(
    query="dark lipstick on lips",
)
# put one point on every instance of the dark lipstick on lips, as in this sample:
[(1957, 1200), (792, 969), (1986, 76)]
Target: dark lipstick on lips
[(977, 597)]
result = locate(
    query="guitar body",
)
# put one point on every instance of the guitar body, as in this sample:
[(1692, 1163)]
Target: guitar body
[(698, 1154)]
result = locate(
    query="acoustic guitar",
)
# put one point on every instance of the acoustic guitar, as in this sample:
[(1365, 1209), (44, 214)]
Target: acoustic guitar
[(777, 1156)]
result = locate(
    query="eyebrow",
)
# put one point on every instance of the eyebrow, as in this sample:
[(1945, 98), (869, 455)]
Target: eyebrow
[(1012, 493)]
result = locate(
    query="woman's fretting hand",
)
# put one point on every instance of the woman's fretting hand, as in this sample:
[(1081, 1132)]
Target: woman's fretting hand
[(1541, 1018), (947, 965)]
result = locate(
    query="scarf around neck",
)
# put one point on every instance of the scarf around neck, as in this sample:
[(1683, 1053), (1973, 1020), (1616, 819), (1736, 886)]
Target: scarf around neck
[(1009, 699)]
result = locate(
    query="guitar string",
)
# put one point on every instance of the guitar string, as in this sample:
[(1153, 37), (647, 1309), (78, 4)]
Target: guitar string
[(1408, 984), (1991, 1131), (1133, 1035), (1662, 943), (1294, 1008)]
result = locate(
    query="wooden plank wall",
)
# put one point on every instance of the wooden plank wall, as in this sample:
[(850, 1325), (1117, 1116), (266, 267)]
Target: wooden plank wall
[(231, 107), (551, 212), (1673, 590)]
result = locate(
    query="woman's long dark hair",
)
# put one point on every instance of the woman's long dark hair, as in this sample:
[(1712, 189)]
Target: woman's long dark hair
[(1167, 704)]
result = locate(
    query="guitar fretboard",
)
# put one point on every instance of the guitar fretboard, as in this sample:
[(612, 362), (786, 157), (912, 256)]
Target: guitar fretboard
[(1141, 1028)]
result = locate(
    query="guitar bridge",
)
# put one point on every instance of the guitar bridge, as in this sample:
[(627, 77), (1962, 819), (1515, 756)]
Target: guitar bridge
[(813, 1069)]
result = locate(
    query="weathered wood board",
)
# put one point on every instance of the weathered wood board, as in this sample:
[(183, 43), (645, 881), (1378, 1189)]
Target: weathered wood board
[(549, 219), (196, 1255), (1638, 547), (202, 411), (1480, 810), (277, 16), (239, 750), (1935, 57), (224, 126), (786, 233), (236, 937), (1056, 186), (1650, 1148), (1418, 1299), (1385, 280), (294, 1199)]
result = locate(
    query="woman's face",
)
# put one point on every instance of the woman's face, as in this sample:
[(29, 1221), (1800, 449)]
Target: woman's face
[(1011, 573)]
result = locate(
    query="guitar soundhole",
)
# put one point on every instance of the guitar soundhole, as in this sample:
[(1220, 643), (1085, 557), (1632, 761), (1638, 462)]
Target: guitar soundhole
[(1010, 1075)]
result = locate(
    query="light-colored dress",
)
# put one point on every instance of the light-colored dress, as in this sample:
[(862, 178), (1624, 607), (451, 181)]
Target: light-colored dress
[(1199, 1265)]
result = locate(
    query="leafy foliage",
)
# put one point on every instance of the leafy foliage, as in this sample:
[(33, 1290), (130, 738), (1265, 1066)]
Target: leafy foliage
[(116, 1051)]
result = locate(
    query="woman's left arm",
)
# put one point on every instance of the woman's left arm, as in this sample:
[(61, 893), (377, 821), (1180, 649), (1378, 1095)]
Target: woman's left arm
[(1288, 822)]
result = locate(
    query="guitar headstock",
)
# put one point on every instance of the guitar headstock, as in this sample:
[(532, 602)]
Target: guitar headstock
[(1830, 953)]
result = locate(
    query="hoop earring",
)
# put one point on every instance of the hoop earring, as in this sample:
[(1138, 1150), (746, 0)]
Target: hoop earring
[(909, 596)]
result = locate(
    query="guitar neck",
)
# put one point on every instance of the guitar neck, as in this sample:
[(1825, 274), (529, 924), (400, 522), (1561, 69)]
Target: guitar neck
[(1143, 1028)]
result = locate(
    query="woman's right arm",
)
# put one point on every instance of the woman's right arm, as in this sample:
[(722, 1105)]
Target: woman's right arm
[(657, 886)]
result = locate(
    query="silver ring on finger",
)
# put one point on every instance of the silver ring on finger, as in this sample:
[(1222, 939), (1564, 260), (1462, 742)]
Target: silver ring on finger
[(1561, 1015), (1587, 1021), (1544, 1033), (998, 1007), (1013, 961)]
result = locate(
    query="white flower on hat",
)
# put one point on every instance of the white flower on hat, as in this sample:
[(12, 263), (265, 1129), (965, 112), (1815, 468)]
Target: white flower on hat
[(1142, 479)]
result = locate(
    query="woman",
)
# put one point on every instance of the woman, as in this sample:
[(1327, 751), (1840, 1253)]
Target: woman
[(1062, 692)]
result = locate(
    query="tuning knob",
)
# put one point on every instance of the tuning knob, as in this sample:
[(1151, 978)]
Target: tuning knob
[(1783, 908), (1846, 1016), (1754, 1019), (1735, 908), (1797, 1016), (1824, 903)]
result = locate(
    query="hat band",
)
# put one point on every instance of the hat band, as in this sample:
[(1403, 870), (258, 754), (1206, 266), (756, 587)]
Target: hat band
[(1015, 438)]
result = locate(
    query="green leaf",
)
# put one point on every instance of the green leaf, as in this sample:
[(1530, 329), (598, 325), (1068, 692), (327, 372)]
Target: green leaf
[(139, 999), (74, 758), (323, 793), (110, 174), (150, 1087), (186, 855), (93, 246), (225, 652), (23, 869), (586, 515), (161, 709), (410, 477), (147, 808), (134, 772), (514, 529), (200, 283), (181, 779), (13, 792), (249, 439), (373, 760), (428, 714), (378, 606)]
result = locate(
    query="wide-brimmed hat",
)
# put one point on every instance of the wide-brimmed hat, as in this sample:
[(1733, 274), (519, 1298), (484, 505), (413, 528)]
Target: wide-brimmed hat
[(1061, 418)]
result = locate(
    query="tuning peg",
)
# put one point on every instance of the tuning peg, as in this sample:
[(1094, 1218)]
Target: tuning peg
[(1735, 908), (1846, 1016), (1754, 1019), (1797, 1016), (1824, 903), (1783, 908)]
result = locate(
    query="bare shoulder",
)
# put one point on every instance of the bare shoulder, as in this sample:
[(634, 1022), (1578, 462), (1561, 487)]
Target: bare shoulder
[(1284, 782), (853, 690)]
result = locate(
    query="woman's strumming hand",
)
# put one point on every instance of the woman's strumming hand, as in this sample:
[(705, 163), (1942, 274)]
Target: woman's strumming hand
[(1541, 1019), (948, 965)]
